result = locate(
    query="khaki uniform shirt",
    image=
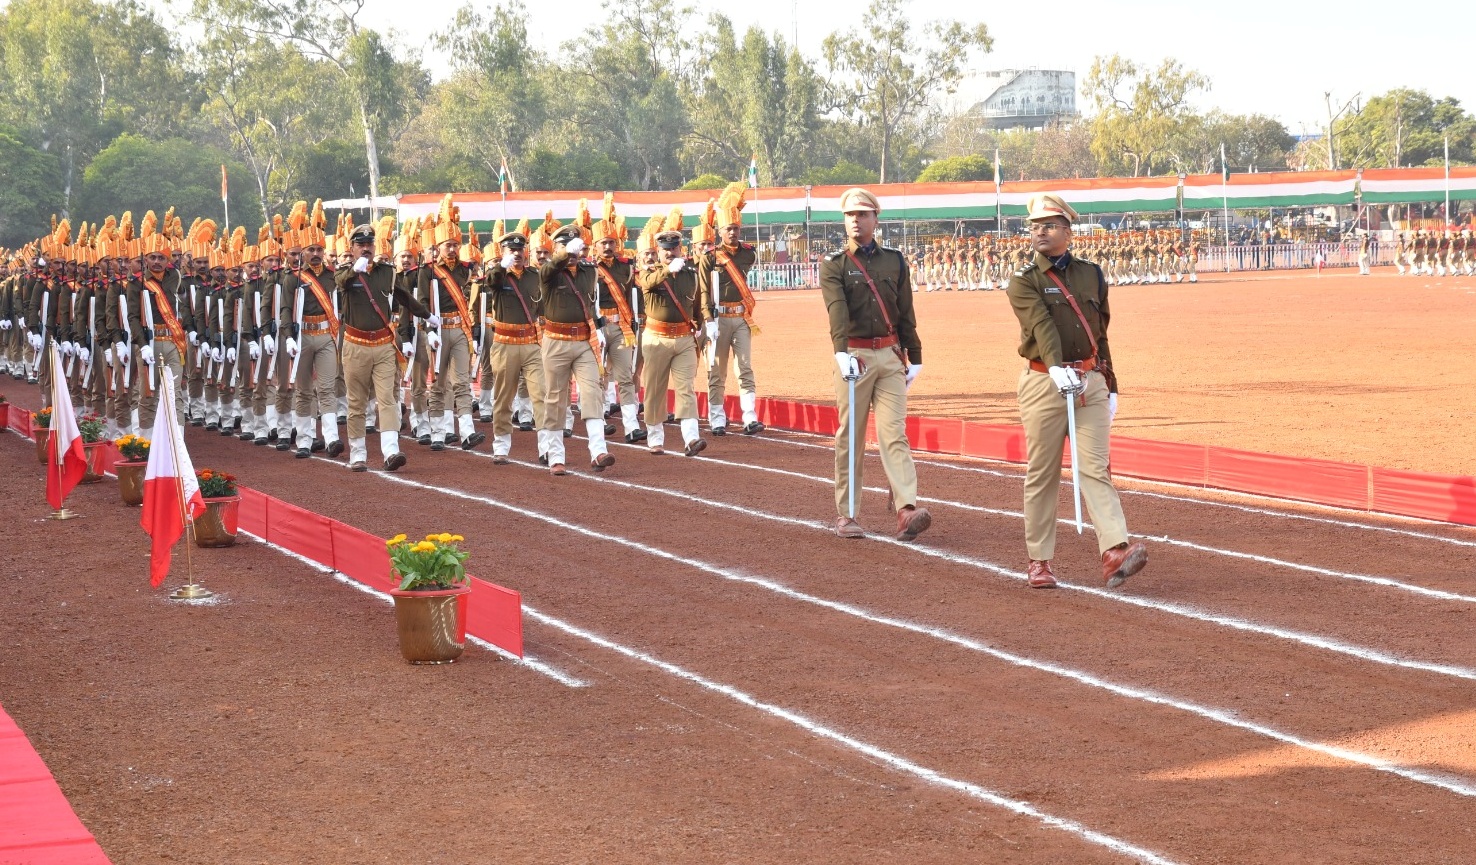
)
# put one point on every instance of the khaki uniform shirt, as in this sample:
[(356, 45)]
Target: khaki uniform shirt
[(506, 307), (743, 257), (1050, 331), (559, 303), (852, 307), (683, 285), (384, 287)]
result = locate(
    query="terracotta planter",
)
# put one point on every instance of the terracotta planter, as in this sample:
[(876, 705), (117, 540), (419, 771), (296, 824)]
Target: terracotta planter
[(430, 624), (131, 482), (217, 526), (94, 452), (43, 444)]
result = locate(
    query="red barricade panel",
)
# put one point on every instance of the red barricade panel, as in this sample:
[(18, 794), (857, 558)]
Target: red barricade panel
[(253, 511), (301, 531), (495, 614), (361, 556), (20, 421), (1160, 461), (993, 441), (1322, 481), (1451, 498), (942, 436), (4, 415)]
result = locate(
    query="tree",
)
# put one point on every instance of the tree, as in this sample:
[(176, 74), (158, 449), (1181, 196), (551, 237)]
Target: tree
[(138, 174), (1141, 113), (580, 169), (881, 79), (379, 87), (706, 181), (1250, 141), (1405, 127), (74, 73), (843, 173), (955, 169), (30, 189)]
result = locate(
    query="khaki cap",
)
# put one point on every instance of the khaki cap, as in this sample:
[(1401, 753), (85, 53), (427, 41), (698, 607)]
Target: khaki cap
[(1046, 205), (856, 199)]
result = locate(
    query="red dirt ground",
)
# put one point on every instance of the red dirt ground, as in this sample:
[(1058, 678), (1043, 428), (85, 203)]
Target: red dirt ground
[(1342, 367), (281, 725)]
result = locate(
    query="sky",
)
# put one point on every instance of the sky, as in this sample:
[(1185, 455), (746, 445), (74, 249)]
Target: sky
[(1276, 58)]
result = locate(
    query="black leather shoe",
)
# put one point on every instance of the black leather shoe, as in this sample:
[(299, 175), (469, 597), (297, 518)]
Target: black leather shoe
[(260, 442), (394, 462), (568, 433), (526, 426), (753, 428), (609, 429), (319, 445), (719, 430), (303, 453), (472, 441), (197, 422), (245, 436), (635, 436), (424, 440), (543, 459), (272, 435), (335, 448), (696, 447), (438, 446), (359, 467), (283, 444), (212, 427)]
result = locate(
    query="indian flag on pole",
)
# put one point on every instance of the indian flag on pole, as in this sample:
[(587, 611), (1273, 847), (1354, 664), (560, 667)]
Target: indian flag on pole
[(753, 172), (171, 492), (502, 176)]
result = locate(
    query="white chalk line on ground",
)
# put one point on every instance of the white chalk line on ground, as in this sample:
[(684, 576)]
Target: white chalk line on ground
[(1362, 653), (1164, 539), (527, 661), (1019, 475), (1220, 716), (893, 761)]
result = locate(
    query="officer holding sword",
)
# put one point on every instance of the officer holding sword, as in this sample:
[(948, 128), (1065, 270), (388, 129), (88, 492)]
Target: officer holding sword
[(1061, 303)]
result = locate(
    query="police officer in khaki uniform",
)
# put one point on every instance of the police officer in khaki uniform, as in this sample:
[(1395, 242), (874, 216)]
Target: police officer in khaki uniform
[(670, 339), (867, 291), (512, 329), (573, 342), (158, 331), (312, 341), (369, 297), (1061, 302), (730, 324), (445, 288)]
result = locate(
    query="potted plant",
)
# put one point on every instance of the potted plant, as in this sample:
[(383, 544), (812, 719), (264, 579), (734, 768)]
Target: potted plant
[(92, 429), (217, 526), (432, 578), (134, 461), (41, 429)]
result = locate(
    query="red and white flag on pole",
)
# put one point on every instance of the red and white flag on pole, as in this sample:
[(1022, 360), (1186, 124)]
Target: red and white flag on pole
[(171, 492), (67, 460)]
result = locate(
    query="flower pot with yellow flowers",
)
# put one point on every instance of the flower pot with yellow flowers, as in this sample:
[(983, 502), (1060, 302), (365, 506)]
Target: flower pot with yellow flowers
[(93, 429), (133, 452), (432, 577), (41, 429), (217, 526)]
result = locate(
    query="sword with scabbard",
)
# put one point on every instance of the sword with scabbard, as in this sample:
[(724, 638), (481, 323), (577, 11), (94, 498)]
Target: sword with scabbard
[(1071, 394), (148, 312), (296, 335)]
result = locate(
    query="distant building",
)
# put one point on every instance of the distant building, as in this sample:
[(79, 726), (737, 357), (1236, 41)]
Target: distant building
[(1032, 98)]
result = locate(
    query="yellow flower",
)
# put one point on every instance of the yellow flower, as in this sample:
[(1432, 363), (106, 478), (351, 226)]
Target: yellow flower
[(432, 537), (444, 537), (456, 539), (423, 547), (395, 541)]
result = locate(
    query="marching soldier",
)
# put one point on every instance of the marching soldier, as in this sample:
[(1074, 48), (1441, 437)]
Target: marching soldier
[(43, 306), (573, 344), (158, 332), (312, 345), (671, 338), (511, 329), (868, 297), (730, 305), (371, 365), (444, 288), (619, 305), (1061, 302)]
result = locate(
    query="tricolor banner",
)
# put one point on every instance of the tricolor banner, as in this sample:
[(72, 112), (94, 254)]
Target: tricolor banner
[(1272, 189), (1411, 185)]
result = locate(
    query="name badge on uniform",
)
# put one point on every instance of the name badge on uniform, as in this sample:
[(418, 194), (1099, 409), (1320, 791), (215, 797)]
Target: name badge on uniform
[(1051, 289)]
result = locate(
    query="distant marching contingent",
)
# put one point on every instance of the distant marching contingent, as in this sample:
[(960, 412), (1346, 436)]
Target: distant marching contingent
[(1127, 257)]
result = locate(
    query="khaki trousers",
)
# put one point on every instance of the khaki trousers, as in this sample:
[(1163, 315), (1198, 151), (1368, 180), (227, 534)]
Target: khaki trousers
[(508, 363), (735, 340), (371, 372), (317, 376), (455, 375), (265, 390), (165, 354), (418, 371), (883, 387), (1043, 412), (620, 364), (564, 359), (670, 363), (96, 389)]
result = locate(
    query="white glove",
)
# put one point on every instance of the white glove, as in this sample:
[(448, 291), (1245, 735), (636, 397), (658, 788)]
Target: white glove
[(362, 265), (408, 350), (217, 355), (575, 246), (1111, 407), (231, 354), (147, 353), (847, 364), (600, 335), (913, 371), (108, 355), (194, 338), (434, 322), (4, 324), (291, 347), (712, 329), (676, 265), (121, 350), (268, 344), (66, 348), (508, 260), (83, 354), (35, 341), (1065, 378), (255, 349), (432, 340)]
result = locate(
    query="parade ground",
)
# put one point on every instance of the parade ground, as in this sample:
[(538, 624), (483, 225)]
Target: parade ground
[(713, 676)]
